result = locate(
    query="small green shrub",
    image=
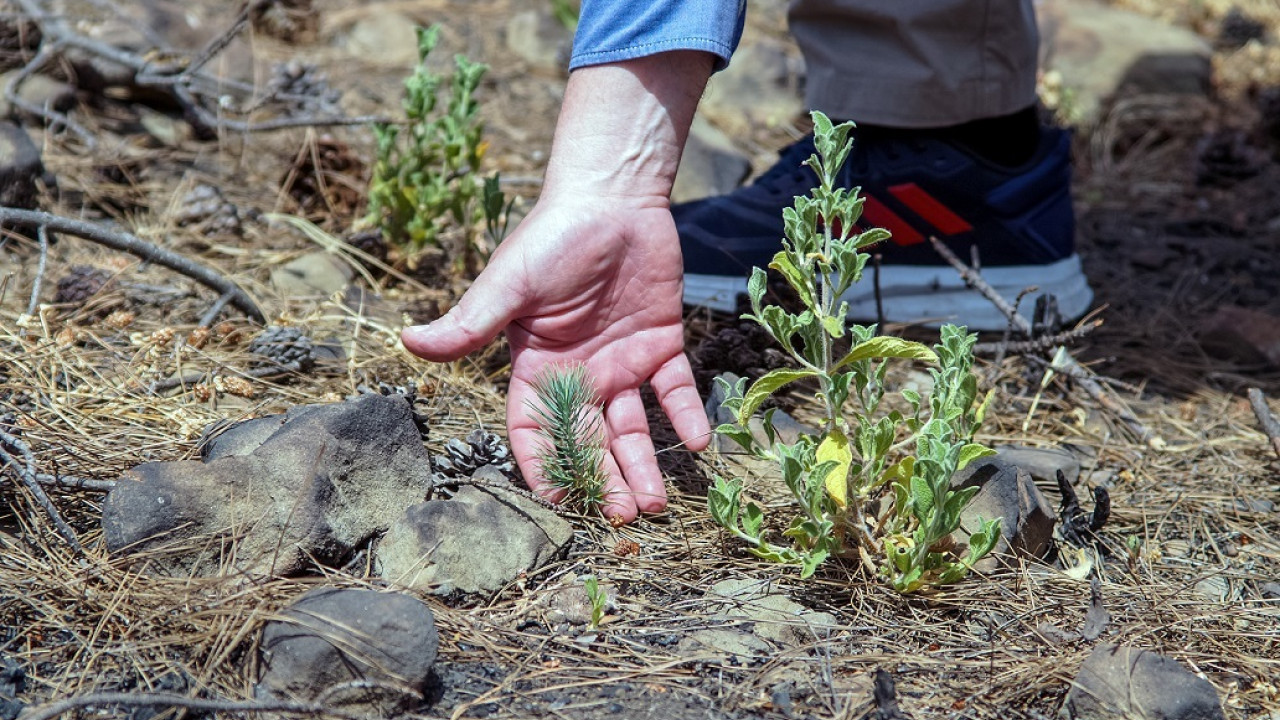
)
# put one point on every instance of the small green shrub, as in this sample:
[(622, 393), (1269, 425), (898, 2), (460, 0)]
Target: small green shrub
[(425, 177), (863, 454)]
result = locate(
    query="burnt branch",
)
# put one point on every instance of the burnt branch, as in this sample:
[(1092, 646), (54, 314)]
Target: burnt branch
[(140, 248), (1269, 424), (184, 80), (26, 472)]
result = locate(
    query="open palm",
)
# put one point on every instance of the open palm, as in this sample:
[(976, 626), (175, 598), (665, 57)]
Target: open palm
[(595, 282)]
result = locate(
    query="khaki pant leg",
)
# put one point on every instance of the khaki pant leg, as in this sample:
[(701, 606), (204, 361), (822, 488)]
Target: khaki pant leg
[(917, 63)]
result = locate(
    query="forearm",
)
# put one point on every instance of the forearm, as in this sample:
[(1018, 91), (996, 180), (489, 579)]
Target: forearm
[(623, 125)]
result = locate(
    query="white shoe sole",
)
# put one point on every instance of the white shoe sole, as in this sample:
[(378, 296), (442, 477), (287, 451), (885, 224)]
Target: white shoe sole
[(929, 295)]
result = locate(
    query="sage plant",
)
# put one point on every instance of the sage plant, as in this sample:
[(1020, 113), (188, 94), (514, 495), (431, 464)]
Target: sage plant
[(863, 452)]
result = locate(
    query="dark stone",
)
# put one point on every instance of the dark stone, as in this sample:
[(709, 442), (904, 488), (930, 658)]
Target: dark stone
[(1243, 335), (334, 637), (1124, 683), (324, 483), (1007, 492), (20, 167)]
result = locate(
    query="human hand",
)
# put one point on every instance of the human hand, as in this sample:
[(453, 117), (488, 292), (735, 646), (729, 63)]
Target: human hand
[(596, 284), (593, 275)]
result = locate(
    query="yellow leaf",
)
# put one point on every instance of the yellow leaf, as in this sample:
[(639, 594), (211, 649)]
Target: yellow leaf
[(835, 448)]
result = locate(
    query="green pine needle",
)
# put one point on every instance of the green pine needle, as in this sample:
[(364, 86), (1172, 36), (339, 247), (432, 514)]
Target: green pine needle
[(571, 456)]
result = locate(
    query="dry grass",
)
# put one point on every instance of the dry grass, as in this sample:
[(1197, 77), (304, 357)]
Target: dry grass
[(78, 383)]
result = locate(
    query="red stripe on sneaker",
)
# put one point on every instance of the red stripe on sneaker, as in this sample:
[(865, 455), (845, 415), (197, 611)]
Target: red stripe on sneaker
[(929, 208), (878, 215)]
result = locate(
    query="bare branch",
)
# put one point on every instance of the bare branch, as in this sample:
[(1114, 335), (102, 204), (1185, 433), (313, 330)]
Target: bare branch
[(43, 235), (1043, 343), (139, 248), (975, 281), (1269, 424), (75, 483), (210, 315), (26, 471), (1063, 362), (179, 79)]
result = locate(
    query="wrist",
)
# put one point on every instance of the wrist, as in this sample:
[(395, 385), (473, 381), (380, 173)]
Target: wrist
[(623, 125)]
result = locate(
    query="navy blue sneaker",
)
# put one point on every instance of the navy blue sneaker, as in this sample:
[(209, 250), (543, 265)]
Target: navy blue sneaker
[(1019, 220)]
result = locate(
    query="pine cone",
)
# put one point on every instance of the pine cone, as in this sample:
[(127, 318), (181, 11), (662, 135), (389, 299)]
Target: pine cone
[(79, 284), (206, 209), (302, 87), (460, 459), (288, 20), (285, 345)]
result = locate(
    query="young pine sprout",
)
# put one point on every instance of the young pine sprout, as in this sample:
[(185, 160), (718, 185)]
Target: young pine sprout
[(571, 455)]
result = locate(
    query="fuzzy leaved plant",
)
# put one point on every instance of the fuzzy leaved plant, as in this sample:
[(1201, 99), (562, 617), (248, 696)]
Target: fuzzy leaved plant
[(866, 456), (425, 179)]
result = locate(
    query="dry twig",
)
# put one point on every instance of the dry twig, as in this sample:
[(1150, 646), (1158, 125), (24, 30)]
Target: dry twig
[(77, 483), (139, 248), (1043, 343), (1062, 360), (27, 473), (1269, 424), (184, 80), (43, 235)]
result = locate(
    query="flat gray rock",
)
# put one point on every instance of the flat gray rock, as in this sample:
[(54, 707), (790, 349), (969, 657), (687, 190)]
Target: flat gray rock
[(1124, 683), (316, 273), (761, 86), (387, 38), (322, 484), (361, 650), (710, 164), (540, 39), (773, 615), (1042, 464), (1102, 52), (476, 542), (735, 647)]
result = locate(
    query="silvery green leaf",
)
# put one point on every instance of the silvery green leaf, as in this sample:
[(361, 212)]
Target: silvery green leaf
[(722, 502), (755, 288), (752, 519)]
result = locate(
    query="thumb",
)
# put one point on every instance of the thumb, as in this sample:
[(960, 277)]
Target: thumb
[(483, 312)]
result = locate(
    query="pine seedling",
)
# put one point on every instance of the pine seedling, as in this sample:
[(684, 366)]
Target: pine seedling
[(571, 456), (599, 600)]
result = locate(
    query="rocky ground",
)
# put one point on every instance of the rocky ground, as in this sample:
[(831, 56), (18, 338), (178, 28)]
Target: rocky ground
[(263, 504)]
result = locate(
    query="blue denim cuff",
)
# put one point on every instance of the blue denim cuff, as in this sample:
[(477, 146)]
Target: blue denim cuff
[(615, 30)]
